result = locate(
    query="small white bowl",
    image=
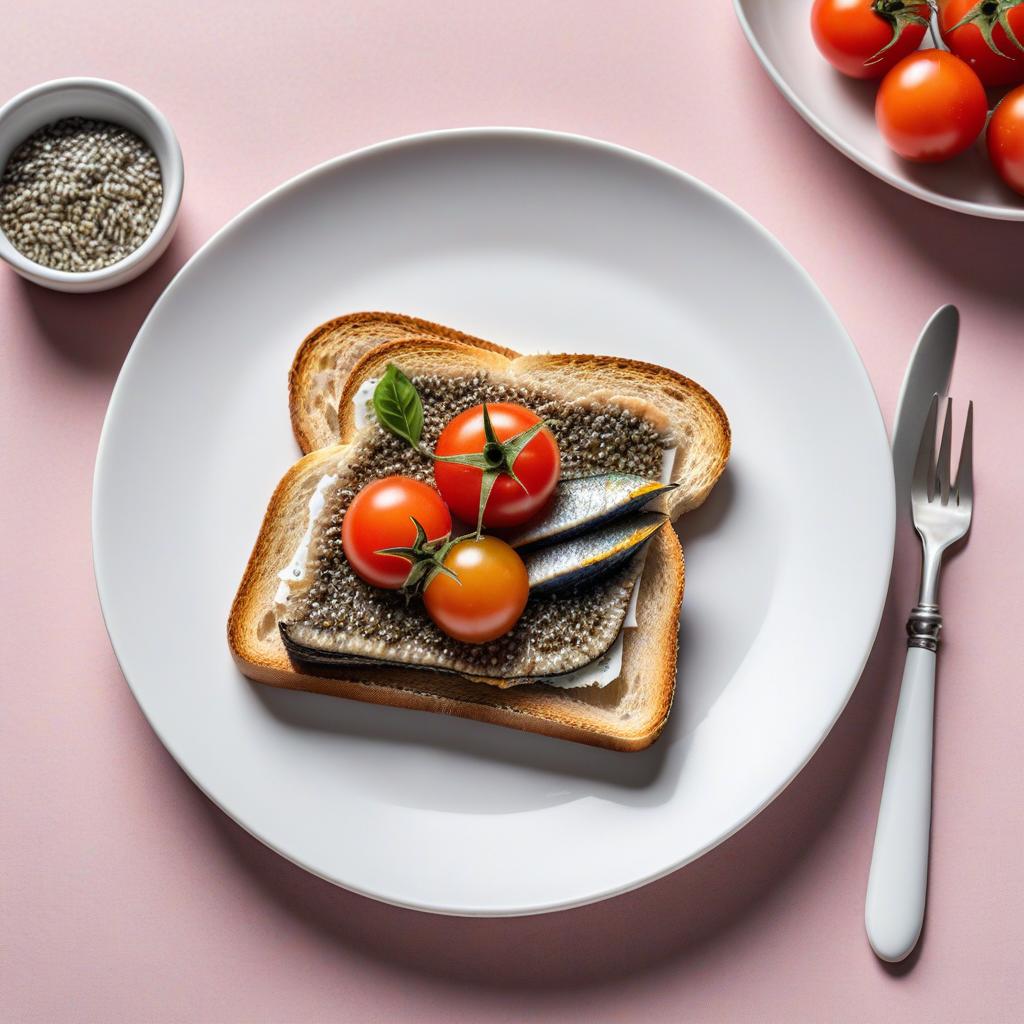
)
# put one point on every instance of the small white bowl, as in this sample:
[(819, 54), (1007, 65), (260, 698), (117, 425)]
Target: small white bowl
[(103, 101)]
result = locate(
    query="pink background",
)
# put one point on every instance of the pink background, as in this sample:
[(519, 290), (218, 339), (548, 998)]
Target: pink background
[(127, 896)]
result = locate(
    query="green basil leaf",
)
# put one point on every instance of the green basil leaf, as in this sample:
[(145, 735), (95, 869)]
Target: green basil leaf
[(397, 405)]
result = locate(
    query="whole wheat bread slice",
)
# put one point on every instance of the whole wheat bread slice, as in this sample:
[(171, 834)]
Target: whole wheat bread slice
[(630, 713)]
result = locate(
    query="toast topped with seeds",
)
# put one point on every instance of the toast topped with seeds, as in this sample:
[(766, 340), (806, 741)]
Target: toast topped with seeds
[(591, 653)]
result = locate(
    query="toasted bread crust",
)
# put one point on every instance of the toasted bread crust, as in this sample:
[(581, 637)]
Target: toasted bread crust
[(332, 349)]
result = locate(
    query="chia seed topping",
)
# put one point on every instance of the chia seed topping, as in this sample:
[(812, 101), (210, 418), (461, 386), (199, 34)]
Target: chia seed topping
[(78, 195), (340, 614)]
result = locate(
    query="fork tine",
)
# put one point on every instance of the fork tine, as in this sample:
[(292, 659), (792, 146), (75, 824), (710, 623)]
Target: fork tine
[(942, 464), (925, 453), (965, 470)]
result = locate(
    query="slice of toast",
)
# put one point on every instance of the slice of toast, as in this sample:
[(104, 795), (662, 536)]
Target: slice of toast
[(628, 714), (331, 364)]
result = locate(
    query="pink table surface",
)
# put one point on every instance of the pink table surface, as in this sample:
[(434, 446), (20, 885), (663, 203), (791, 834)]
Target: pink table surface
[(127, 896)]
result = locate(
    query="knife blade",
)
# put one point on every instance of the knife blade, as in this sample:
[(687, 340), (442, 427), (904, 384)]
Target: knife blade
[(928, 374)]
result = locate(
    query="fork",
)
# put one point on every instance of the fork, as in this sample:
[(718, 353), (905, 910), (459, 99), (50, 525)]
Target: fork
[(898, 880)]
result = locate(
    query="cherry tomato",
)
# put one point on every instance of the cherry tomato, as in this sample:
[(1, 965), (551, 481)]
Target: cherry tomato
[(509, 504), (931, 106), (969, 44), (849, 33), (1006, 139), (489, 597), (380, 516)]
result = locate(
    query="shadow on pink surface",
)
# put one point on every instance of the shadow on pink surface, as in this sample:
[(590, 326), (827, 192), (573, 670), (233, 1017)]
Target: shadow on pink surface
[(969, 255), (92, 333)]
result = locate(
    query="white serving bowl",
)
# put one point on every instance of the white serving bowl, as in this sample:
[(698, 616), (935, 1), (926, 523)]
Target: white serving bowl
[(103, 101), (842, 111)]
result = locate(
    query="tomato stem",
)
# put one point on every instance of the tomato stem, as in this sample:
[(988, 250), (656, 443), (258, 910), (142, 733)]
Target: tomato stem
[(426, 559), (899, 14), (986, 15)]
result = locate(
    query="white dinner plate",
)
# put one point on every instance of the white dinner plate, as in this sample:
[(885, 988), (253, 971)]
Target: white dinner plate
[(842, 110), (539, 241)]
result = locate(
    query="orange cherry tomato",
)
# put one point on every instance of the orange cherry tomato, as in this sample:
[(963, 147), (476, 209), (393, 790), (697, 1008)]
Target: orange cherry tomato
[(931, 106), (1006, 139), (489, 597), (968, 43), (380, 516), (849, 33)]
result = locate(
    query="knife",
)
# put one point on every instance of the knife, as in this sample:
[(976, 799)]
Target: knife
[(894, 909), (928, 373)]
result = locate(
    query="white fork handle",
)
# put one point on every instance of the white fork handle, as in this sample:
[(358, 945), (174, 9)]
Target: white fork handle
[(898, 880)]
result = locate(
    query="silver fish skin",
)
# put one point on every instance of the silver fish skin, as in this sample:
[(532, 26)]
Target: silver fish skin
[(572, 562), (584, 503)]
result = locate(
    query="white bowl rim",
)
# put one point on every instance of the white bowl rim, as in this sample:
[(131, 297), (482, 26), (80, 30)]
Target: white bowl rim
[(993, 211), (172, 172)]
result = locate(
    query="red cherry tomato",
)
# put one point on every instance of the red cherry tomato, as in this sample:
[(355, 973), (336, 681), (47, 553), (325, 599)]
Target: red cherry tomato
[(489, 597), (380, 516), (849, 33), (509, 504), (968, 43), (931, 106), (1006, 139)]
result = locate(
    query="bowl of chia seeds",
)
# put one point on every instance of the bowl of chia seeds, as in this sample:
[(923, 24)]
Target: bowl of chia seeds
[(90, 184)]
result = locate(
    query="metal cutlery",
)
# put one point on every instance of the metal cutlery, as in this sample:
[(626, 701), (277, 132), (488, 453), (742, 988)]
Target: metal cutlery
[(897, 884), (928, 373)]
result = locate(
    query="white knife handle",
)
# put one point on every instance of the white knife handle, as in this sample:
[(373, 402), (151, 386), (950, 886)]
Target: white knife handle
[(898, 880)]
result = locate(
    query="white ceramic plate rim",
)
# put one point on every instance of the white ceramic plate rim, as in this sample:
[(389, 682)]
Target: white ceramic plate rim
[(989, 210), (885, 510)]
